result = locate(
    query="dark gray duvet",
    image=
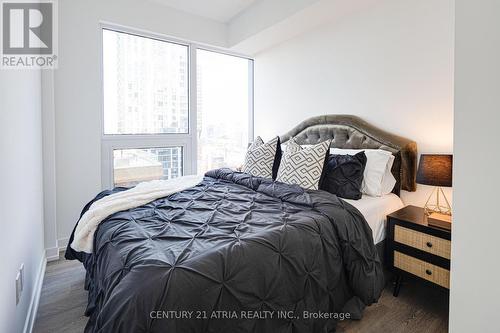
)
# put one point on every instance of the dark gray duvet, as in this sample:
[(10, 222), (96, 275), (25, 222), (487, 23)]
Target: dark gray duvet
[(235, 253)]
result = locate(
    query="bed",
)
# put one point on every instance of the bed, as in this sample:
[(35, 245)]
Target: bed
[(237, 253), (375, 211), (352, 132)]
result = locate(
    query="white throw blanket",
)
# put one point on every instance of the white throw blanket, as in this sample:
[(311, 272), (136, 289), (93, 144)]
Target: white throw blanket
[(140, 195)]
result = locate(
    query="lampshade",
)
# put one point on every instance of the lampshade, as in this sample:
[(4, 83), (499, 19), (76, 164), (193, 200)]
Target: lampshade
[(435, 170)]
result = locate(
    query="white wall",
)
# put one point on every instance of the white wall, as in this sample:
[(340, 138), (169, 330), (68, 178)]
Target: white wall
[(390, 63), (78, 91), (475, 266), (49, 166), (21, 196)]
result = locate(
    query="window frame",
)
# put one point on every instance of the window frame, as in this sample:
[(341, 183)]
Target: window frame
[(188, 141)]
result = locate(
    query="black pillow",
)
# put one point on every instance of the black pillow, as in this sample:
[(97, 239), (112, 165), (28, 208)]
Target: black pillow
[(277, 159), (344, 175)]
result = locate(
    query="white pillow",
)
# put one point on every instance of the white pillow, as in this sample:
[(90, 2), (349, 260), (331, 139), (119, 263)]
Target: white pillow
[(388, 182), (377, 178)]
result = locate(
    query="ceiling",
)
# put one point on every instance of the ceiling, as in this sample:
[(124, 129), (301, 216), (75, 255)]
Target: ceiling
[(218, 10)]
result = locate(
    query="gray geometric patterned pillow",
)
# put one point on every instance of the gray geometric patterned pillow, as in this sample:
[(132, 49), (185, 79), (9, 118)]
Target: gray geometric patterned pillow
[(259, 159), (303, 166)]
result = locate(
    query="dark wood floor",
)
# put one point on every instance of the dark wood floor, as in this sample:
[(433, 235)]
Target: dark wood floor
[(419, 307)]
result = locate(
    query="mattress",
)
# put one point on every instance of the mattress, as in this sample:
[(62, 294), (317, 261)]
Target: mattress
[(375, 211)]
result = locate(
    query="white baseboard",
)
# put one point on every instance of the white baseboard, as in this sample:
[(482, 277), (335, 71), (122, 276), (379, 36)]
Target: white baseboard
[(52, 254), (35, 297)]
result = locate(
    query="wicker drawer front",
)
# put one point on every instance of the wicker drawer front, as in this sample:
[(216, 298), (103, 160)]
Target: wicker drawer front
[(428, 243), (422, 269)]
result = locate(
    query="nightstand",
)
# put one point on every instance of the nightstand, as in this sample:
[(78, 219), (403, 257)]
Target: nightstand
[(416, 249)]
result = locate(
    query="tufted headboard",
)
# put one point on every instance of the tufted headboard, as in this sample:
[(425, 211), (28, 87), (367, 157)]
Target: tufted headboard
[(351, 132)]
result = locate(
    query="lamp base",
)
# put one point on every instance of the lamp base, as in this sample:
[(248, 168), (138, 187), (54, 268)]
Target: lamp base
[(436, 206)]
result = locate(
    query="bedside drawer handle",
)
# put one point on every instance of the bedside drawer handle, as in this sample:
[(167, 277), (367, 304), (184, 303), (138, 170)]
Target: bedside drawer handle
[(429, 244), (428, 272)]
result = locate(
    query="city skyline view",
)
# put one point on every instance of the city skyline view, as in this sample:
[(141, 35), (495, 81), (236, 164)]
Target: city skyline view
[(146, 91)]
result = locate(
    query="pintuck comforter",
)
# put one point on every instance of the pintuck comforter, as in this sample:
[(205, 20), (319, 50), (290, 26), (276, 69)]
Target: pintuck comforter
[(235, 253)]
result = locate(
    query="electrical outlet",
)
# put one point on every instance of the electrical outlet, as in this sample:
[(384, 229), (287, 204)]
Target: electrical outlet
[(21, 271), (18, 287)]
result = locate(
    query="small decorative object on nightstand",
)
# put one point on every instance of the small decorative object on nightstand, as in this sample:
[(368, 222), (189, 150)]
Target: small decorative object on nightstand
[(415, 248), (440, 221)]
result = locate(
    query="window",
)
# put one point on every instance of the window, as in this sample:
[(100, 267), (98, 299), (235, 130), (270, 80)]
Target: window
[(132, 166), (152, 129), (223, 109), (145, 85)]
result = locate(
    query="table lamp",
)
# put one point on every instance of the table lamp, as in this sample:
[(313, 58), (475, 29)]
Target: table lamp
[(436, 170)]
